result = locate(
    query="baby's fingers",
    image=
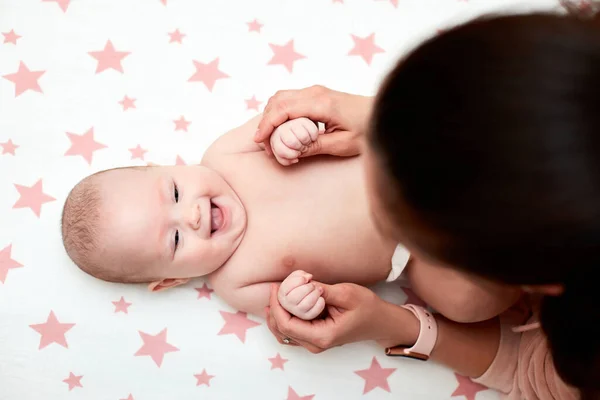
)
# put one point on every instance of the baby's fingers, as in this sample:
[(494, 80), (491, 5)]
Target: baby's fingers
[(309, 300), (297, 295), (316, 310)]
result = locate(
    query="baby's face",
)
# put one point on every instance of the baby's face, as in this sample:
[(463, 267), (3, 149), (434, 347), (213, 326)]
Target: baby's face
[(169, 222)]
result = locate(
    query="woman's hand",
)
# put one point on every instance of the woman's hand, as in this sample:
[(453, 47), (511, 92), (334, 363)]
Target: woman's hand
[(354, 313), (344, 115)]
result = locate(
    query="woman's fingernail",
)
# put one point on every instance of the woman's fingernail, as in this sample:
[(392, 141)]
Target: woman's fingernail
[(320, 290)]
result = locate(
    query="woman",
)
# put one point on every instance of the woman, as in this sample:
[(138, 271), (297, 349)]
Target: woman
[(483, 155)]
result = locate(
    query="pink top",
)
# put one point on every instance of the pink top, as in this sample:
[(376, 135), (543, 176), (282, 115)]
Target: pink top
[(523, 367)]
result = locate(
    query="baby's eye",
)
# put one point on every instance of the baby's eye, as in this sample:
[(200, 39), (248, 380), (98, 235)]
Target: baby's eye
[(176, 240), (176, 192)]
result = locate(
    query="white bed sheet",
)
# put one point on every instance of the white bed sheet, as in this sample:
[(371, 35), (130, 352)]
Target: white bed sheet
[(61, 335)]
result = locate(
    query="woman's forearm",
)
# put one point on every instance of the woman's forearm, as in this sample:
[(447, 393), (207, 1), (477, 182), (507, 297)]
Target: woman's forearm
[(468, 349)]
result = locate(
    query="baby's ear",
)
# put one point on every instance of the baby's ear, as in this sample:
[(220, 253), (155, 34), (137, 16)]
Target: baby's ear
[(166, 284)]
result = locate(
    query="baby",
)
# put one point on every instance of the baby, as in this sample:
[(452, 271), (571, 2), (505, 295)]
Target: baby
[(241, 219)]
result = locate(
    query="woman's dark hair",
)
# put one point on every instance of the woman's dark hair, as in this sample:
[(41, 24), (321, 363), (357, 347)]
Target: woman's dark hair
[(490, 134)]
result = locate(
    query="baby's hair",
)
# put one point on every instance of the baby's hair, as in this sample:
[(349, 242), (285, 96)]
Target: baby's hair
[(80, 227)]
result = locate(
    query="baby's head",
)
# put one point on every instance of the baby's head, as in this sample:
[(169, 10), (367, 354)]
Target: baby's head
[(161, 225)]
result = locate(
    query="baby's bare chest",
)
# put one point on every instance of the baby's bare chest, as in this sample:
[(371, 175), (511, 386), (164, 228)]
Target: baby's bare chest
[(315, 218)]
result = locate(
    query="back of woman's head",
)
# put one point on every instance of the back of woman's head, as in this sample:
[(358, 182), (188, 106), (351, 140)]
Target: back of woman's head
[(491, 135)]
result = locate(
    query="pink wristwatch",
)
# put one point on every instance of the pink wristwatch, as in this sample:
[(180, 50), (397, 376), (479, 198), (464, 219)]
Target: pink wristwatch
[(425, 343)]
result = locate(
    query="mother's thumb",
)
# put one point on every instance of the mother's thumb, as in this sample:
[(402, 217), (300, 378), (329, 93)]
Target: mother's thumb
[(338, 143), (337, 295)]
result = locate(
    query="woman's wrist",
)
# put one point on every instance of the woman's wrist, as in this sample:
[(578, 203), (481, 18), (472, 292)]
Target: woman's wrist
[(399, 326)]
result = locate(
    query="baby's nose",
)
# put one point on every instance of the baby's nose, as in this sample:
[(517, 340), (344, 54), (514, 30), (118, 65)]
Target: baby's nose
[(194, 218)]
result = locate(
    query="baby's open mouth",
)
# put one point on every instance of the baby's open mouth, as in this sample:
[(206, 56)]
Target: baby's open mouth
[(216, 220)]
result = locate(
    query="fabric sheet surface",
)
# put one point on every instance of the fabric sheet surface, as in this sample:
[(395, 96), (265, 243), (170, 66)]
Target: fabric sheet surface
[(87, 85)]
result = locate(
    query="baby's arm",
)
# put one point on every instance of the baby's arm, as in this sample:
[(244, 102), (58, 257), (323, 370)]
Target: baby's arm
[(237, 140), (288, 141), (251, 299)]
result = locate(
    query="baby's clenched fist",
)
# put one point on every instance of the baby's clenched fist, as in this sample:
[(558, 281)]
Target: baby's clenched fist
[(300, 297)]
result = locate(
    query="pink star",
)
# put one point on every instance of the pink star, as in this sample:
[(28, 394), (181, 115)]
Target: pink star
[(121, 305), (181, 124), (204, 291), (285, 55), (73, 381), (7, 263), (203, 378), (237, 324), (11, 37), (277, 362), (64, 4), (365, 47), (179, 161), (339, 1), (412, 298), (176, 36), (137, 152), (24, 79), (127, 103), (395, 3), (109, 58), (155, 346), (466, 387), (32, 197), (375, 376), (254, 26), (9, 147), (84, 145), (292, 395), (52, 331), (164, 2), (130, 397), (252, 104), (207, 73)]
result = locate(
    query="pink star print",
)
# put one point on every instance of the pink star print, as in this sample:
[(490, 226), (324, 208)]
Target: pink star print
[(24, 79), (466, 387), (394, 3), (52, 331), (207, 73), (121, 305), (292, 395), (365, 47), (254, 26), (164, 2), (64, 4), (181, 124), (375, 376), (84, 145), (137, 152), (236, 324), (179, 161), (155, 346), (32, 197), (73, 381), (412, 298), (277, 362), (130, 397), (109, 58), (203, 378), (204, 291), (339, 1), (127, 103), (7, 263), (176, 36), (9, 147), (252, 104), (285, 55), (11, 37)]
